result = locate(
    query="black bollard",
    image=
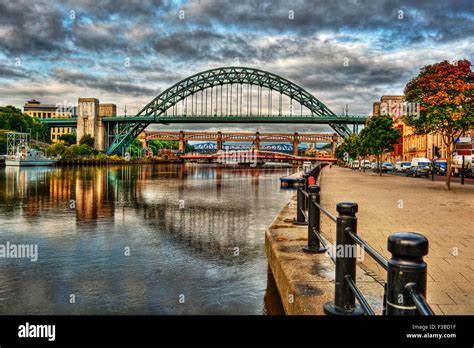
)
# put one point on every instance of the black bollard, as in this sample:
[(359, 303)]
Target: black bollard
[(406, 272), (300, 202), (314, 222), (344, 300)]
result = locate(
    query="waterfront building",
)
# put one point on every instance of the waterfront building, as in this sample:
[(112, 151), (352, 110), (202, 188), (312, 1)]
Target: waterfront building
[(410, 145), (35, 108)]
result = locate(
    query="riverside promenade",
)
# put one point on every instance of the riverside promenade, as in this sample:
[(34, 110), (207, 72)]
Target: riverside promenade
[(389, 204), (305, 282)]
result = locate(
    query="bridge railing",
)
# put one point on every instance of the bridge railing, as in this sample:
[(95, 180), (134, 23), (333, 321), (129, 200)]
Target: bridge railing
[(405, 286)]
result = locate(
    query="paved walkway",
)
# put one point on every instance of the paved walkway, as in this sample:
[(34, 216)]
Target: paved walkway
[(389, 203)]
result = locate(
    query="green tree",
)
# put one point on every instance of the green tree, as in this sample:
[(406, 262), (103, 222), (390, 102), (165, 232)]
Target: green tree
[(87, 140), (13, 119), (348, 149), (136, 148), (71, 152), (3, 141), (56, 149), (352, 146), (443, 92), (68, 139), (380, 136), (156, 145), (76, 151), (340, 151), (85, 150), (362, 147)]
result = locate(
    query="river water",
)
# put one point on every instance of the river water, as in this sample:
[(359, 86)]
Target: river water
[(138, 239)]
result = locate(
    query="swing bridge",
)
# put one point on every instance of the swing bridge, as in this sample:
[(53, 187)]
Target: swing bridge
[(216, 141)]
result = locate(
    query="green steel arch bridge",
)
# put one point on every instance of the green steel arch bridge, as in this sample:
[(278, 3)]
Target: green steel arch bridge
[(224, 95)]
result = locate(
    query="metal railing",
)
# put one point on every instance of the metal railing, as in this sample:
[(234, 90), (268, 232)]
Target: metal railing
[(405, 287)]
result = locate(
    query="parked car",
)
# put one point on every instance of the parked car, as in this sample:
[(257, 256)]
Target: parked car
[(398, 166), (420, 161), (387, 167), (422, 169), (441, 167), (405, 166), (366, 164), (373, 166), (355, 164)]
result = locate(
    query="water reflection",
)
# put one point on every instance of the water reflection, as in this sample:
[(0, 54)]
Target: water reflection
[(167, 239)]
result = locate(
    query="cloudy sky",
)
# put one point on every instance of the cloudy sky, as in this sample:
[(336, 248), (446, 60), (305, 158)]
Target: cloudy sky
[(126, 52)]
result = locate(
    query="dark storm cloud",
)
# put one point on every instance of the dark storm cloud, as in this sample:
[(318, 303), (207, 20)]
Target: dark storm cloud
[(364, 72), (89, 48), (7, 72), (199, 45), (435, 19), (103, 38), (31, 28), (115, 84), (125, 9), (45, 27)]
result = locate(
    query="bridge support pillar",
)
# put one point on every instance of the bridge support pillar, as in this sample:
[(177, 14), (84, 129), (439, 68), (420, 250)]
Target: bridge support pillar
[(90, 123), (143, 137), (257, 141), (181, 145), (333, 145), (296, 142), (219, 141)]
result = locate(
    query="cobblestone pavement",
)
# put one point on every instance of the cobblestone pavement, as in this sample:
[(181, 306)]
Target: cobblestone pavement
[(389, 204)]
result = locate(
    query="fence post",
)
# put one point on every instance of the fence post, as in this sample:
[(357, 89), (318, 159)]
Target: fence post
[(405, 268), (314, 222), (300, 198), (344, 300)]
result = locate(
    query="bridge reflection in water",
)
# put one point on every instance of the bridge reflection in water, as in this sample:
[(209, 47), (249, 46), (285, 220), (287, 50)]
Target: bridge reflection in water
[(195, 234)]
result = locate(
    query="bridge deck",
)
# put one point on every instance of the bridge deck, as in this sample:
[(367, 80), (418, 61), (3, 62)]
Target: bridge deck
[(302, 119)]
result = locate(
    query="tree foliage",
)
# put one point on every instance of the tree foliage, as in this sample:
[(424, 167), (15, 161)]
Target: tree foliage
[(12, 119), (87, 139), (443, 92), (68, 139), (379, 135), (376, 138), (156, 145), (56, 149)]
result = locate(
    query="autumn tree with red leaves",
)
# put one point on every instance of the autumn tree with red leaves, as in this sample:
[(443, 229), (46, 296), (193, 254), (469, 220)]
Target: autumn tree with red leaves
[(443, 92)]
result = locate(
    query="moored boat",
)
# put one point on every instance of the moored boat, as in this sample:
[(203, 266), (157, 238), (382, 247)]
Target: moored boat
[(29, 157)]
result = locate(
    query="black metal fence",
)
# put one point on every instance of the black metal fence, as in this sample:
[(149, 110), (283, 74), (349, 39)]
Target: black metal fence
[(405, 287)]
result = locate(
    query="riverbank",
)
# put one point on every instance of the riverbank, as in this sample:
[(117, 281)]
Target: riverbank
[(107, 161)]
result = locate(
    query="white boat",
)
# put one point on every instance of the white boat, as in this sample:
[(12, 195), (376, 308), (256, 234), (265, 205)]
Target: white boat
[(277, 164), (29, 157)]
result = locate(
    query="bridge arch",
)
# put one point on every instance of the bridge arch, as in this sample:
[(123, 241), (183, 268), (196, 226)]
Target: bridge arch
[(158, 107)]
